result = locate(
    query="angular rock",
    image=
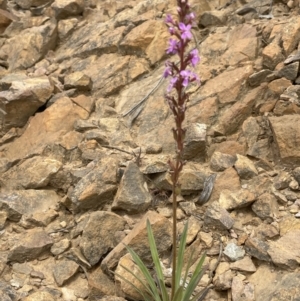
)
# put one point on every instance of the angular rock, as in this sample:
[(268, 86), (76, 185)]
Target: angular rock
[(266, 207), (132, 196), (40, 296), (285, 251), (64, 270), (146, 38), (30, 246), (67, 8), (195, 142), (289, 72), (78, 80), (60, 246), (209, 18), (97, 187), (33, 173), (30, 205), (52, 123), (138, 240), (216, 216), (291, 35), (259, 77), (243, 265), (66, 27), (98, 235), (223, 277), (28, 47), (228, 179), (236, 200), (232, 119), (272, 55), (245, 167), (227, 91), (257, 248), (100, 285), (282, 180), (22, 100), (234, 252), (241, 291), (127, 289), (220, 161), (287, 137), (296, 174)]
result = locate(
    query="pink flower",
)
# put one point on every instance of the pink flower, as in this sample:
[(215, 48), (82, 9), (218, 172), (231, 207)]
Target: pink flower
[(194, 57), (185, 31), (173, 46)]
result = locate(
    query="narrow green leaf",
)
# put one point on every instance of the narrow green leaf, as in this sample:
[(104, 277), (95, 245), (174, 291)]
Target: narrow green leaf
[(189, 264), (178, 294), (134, 286), (156, 261), (196, 276), (180, 257), (145, 284), (145, 272)]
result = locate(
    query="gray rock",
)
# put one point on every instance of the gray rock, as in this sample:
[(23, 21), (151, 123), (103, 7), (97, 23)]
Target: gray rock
[(132, 195), (98, 236), (67, 8), (234, 252), (245, 167), (282, 181), (195, 142), (259, 77), (216, 216), (60, 246), (266, 207), (220, 161), (28, 204), (257, 248), (289, 71), (296, 174), (64, 270), (30, 246), (210, 18)]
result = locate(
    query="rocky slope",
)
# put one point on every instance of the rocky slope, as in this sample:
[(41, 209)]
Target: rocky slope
[(85, 137)]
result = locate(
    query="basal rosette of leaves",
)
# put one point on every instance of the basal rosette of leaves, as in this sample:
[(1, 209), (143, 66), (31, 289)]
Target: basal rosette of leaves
[(181, 75)]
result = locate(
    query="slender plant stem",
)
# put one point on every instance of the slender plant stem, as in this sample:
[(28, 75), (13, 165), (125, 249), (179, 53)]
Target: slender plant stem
[(174, 251)]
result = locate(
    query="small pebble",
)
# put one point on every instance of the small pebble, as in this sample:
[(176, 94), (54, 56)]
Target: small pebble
[(63, 224)]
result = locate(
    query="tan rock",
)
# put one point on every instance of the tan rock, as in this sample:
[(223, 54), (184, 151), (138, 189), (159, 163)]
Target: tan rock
[(33, 173), (286, 135), (78, 80), (67, 8), (243, 265), (272, 55), (229, 179), (227, 91), (40, 296), (30, 246), (98, 236), (126, 288), (232, 118), (220, 161), (53, 123), (23, 98), (241, 291), (285, 251), (291, 35), (245, 167), (100, 285), (138, 240), (27, 48), (235, 200), (278, 86)]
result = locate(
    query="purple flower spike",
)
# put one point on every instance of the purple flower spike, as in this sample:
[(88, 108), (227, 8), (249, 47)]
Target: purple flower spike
[(172, 30), (173, 46), (188, 76), (185, 31), (169, 19), (167, 72), (172, 84), (194, 57)]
